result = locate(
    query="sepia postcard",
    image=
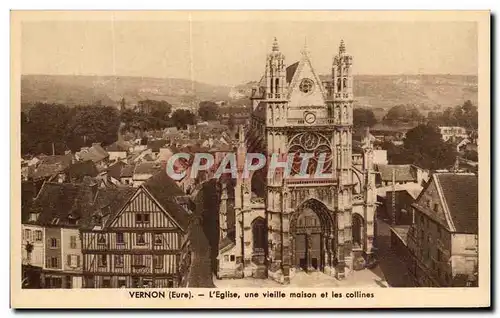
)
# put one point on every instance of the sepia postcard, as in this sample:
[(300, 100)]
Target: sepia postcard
[(250, 159)]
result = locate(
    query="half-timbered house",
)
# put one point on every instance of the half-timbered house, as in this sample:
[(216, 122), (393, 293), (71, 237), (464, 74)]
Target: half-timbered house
[(134, 239)]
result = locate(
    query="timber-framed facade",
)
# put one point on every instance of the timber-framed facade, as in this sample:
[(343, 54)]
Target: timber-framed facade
[(137, 241)]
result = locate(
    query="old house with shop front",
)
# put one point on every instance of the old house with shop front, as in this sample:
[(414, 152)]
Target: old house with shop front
[(51, 227), (135, 237), (444, 238)]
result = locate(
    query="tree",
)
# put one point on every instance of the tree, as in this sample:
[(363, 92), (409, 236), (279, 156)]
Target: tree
[(208, 110), (464, 115), (159, 109), (424, 147), (94, 124), (182, 117), (44, 129), (363, 118), (402, 114)]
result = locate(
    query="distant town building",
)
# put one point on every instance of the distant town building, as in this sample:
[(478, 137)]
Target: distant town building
[(453, 132)]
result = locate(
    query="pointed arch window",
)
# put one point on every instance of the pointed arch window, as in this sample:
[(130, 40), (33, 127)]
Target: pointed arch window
[(259, 234), (345, 82)]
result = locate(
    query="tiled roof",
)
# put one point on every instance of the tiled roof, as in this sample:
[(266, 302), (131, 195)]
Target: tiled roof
[(403, 173), (460, 193), (165, 190)]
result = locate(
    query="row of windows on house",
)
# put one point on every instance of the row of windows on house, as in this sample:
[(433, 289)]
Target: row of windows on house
[(55, 243), (37, 236), (71, 261), (137, 260), (140, 238)]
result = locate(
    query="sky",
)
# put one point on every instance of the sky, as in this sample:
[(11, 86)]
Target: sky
[(233, 52)]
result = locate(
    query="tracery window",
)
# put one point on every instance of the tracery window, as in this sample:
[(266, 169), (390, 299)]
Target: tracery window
[(310, 143)]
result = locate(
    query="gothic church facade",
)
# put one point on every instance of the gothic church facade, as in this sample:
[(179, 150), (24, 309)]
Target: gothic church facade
[(285, 225)]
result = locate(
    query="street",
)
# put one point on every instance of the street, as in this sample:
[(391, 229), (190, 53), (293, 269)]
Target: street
[(391, 268)]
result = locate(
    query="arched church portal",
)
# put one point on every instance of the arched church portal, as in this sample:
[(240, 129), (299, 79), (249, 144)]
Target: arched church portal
[(312, 233)]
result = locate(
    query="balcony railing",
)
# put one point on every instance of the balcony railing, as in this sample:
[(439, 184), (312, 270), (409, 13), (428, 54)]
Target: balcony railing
[(309, 182)]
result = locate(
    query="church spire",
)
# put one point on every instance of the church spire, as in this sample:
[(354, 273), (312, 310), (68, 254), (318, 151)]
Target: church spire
[(276, 47), (342, 47), (305, 51), (275, 72)]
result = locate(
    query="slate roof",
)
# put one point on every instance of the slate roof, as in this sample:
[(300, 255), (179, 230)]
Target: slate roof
[(290, 71), (403, 173), (165, 190), (460, 192), (57, 203)]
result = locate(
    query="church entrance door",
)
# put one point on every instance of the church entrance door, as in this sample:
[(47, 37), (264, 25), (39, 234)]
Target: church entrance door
[(308, 242)]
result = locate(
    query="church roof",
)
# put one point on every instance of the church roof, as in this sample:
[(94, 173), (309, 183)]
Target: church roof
[(290, 71)]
